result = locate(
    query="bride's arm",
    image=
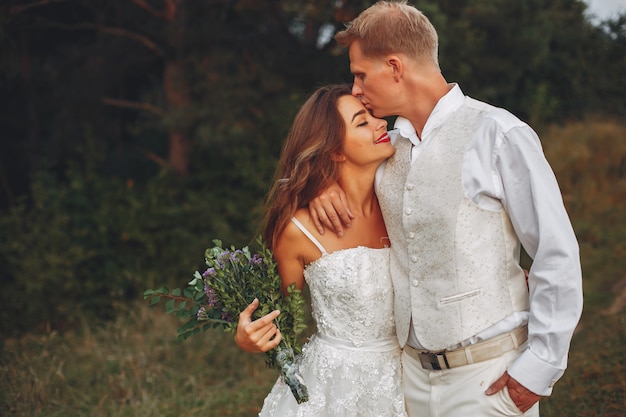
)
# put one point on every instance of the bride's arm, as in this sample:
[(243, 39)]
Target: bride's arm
[(262, 334)]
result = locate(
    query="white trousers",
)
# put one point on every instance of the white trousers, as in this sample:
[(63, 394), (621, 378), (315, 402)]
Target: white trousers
[(459, 392)]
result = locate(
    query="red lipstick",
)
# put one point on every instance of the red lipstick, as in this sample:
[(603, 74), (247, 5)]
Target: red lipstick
[(383, 139)]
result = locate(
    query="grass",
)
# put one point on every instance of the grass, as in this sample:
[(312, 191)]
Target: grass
[(594, 385), (135, 367), (131, 367)]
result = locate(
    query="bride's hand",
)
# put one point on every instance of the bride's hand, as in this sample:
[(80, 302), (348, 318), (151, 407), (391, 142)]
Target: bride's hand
[(330, 209), (259, 335)]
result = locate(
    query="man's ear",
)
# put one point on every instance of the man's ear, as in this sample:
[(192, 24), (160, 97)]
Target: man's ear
[(337, 157), (396, 65)]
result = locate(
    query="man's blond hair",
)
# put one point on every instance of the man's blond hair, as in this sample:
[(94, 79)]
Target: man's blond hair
[(390, 27)]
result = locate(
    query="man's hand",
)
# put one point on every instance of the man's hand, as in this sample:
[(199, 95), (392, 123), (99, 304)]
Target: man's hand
[(330, 209), (523, 398), (259, 335)]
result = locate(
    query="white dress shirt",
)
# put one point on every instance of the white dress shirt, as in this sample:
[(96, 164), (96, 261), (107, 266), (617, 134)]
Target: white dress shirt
[(504, 164)]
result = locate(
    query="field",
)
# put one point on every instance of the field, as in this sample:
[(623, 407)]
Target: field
[(135, 367), (131, 367)]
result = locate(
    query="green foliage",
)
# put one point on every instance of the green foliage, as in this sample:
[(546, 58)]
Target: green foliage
[(180, 81), (234, 278), (80, 245), (540, 59)]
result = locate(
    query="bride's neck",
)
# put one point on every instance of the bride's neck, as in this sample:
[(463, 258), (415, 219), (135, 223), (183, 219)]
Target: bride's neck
[(360, 194)]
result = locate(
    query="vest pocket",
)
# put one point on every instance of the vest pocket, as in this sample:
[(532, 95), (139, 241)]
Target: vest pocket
[(458, 297)]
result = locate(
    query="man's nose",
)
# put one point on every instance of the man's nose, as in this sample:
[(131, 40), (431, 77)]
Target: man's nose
[(357, 91)]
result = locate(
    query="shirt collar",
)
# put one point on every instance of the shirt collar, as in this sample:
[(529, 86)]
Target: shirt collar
[(446, 105)]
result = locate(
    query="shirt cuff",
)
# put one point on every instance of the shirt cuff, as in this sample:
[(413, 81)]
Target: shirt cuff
[(535, 374)]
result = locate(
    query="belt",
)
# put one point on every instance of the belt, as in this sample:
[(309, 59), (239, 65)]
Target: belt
[(386, 344), (478, 352)]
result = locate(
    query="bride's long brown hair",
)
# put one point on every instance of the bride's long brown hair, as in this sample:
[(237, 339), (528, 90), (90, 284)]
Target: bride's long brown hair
[(306, 165)]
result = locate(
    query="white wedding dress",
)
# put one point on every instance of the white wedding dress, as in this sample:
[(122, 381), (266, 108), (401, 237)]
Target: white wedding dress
[(351, 366)]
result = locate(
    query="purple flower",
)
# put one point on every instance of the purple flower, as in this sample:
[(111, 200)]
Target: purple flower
[(200, 312), (209, 273), (256, 260), (224, 257), (211, 298), (225, 317), (236, 255), (232, 257)]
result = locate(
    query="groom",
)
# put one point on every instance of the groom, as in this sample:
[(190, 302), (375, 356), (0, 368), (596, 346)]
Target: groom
[(467, 185)]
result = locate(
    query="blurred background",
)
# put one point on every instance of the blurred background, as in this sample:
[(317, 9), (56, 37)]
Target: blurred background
[(133, 132)]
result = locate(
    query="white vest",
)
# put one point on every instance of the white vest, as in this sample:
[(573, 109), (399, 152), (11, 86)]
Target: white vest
[(455, 266)]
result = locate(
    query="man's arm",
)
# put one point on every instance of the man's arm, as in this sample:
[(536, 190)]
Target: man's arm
[(533, 201)]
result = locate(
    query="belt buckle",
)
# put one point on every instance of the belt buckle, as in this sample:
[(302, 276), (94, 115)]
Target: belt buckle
[(434, 361)]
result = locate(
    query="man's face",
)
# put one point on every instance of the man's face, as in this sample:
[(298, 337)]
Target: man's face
[(373, 82)]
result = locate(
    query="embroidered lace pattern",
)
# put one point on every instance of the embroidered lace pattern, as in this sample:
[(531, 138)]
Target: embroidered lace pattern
[(352, 365)]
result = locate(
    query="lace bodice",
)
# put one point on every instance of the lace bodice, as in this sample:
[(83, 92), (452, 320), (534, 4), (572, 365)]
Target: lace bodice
[(351, 366), (351, 294)]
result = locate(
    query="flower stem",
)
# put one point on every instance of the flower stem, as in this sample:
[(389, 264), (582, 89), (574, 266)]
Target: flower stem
[(285, 359)]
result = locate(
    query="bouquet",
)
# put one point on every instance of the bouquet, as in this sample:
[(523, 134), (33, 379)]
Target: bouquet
[(233, 279)]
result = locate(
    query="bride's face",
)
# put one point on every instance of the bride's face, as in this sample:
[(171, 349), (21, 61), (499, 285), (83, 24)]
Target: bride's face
[(366, 140)]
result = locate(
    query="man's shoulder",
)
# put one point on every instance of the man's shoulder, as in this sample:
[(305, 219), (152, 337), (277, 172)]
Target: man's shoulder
[(490, 114)]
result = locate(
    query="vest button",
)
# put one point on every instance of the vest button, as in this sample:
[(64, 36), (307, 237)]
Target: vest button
[(415, 282), (413, 258), (408, 211), (411, 235), (410, 187)]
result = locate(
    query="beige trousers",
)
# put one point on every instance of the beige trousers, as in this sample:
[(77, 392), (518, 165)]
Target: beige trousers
[(459, 392)]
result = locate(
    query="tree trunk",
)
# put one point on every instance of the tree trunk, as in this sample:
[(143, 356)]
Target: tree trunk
[(176, 91), (177, 96)]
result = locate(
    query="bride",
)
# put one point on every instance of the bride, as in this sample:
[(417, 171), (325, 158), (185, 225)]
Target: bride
[(351, 366)]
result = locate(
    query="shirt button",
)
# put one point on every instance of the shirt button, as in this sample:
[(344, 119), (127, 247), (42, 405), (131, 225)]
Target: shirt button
[(411, 235), (413, 258), (408, 211), (410, 187), (415, 283)]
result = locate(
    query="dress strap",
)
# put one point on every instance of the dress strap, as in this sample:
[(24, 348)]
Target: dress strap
[(309, 235)]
